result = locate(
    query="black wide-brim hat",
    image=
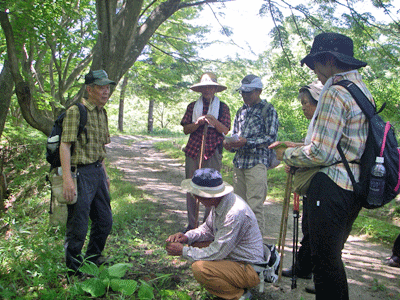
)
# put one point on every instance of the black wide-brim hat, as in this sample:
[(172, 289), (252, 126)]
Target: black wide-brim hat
[(338, 45)]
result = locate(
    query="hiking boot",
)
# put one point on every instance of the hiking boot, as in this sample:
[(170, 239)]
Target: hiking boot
[(289, 273), (310, 289), (393, 261), (246, 295), (102, 260)]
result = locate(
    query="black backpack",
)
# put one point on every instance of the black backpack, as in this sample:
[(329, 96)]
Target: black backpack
[(54, 139), (381, 141)]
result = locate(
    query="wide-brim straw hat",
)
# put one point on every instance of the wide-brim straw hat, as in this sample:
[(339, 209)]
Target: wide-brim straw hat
[(207, 183), (338, 45), (208, 79)]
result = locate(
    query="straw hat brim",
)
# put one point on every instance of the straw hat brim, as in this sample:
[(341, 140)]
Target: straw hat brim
[(188, 186), (198, 87)]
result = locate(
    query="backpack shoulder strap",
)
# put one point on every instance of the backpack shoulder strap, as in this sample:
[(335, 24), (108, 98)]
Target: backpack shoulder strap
[(82, 119), (366, 106)]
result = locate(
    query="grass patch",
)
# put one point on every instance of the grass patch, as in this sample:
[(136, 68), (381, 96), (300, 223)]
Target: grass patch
[(32, 262)]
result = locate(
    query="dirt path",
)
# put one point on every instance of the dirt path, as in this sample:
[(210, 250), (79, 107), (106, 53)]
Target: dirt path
[(155, 173)]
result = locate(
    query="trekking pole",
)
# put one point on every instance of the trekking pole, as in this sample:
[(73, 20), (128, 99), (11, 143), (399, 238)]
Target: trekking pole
[(203, 145), (296, 209), (284, 220)]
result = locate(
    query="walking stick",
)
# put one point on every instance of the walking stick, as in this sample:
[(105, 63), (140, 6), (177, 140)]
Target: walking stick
[(284, 220), (296, 209), (203, 145)]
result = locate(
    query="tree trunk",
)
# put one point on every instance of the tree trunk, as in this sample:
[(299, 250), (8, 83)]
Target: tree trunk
[(150, 117), (123, 34), (121, 104), (7, 89)]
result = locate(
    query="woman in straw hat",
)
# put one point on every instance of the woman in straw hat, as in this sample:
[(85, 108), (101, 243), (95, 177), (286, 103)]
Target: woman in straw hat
[(331, 204), (224, 266), (206, 110)]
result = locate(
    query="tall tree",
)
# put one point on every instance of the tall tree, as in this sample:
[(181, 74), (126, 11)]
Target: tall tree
[(58, 40)]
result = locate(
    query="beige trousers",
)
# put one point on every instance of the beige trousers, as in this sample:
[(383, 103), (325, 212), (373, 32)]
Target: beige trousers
[(192, 165), (251, 185), (225, 279)]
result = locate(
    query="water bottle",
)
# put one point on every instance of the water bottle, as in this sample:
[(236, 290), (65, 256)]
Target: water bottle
[(377, 182)]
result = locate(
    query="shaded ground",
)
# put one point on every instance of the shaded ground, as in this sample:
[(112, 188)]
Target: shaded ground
[(160, 176)]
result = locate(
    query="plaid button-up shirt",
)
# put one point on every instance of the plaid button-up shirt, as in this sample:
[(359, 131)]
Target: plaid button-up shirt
[(88, 149), (214, 139), (259, 125), (233, 228), (340, 119)]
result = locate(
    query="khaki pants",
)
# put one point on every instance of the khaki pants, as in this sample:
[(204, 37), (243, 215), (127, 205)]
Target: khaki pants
[(251, 185), (192, 165), (225, 279)]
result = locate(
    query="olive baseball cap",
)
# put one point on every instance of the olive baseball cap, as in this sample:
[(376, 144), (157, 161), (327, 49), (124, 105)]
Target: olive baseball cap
[(98, 77)]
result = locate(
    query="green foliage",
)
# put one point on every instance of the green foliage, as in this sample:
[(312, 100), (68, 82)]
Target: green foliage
[(105, 278)]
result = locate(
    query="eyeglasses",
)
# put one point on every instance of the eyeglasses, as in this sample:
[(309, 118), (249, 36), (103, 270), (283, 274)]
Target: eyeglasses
[(246, 93)]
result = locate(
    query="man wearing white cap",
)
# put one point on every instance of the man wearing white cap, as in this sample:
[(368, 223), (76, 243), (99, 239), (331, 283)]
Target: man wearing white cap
[(208, 109), (232, 238), (256, 125)]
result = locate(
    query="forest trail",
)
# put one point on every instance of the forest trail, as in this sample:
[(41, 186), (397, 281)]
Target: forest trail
[(157, 174)]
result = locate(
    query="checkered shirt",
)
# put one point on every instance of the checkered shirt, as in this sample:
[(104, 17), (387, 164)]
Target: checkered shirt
[(339, 119), (213, 139), (260, 129), (93, 149)]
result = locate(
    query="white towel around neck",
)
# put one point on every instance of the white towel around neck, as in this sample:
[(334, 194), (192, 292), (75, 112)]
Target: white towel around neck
[(213, 109), (327, 85)]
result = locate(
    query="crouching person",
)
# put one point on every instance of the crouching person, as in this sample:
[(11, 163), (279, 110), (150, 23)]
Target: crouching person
[(224, 248)]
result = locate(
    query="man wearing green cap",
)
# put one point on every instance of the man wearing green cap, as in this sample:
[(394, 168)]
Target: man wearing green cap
[(84, 156)]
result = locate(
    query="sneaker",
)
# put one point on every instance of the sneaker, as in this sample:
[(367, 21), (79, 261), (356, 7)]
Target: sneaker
[(289, 273), (246, 295)]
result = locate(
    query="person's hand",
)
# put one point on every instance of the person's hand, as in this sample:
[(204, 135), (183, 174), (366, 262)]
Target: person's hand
[(238, 144), (177, 238), (211, 120), (292, 144), (287, 168), (174, 249), (279, 148), (227, 146), (69, 188), (201, 120)]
